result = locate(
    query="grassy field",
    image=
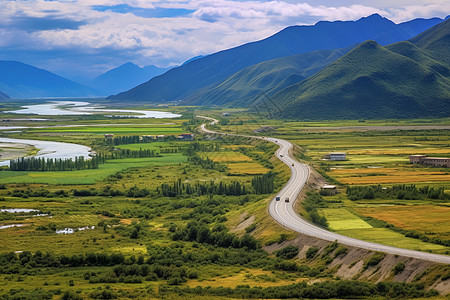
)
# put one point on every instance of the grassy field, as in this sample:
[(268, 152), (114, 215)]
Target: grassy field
[(120, 130), (430, 219), (89, 176), (145, 227), (388, 237), (342, 219)]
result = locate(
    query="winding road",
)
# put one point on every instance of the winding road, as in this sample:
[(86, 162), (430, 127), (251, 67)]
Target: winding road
[(284, 213)]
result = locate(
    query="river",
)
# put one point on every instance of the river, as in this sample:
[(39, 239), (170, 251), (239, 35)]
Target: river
[(49, 149), (59, 108)]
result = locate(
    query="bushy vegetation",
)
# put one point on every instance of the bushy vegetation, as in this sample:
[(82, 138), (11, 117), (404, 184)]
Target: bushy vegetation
[(319, 290), (287, 252), (312, 202), (404, 191), (218, 236)]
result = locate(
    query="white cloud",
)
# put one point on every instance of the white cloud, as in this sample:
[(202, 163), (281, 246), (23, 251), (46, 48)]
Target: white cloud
[(214, 25)]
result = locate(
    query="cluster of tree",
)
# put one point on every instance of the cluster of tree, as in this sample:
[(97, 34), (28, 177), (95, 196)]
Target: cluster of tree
[(257, 157), (13, 263), (319, 290), (169, 150), (201, 147), (312, 202), (403, 191), (23, 294), (206, 163), (127, 153), (133, 192), (263, 184), (137, 273), (287, 252), (191, 152), (136, 139), (37, 193), (219, 236), (177, 188), (50, 164)]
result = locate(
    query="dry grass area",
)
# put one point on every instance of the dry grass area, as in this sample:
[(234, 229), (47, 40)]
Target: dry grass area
[(250, 168), (226, 156), (421, 218), (251, 277), (233, 147)]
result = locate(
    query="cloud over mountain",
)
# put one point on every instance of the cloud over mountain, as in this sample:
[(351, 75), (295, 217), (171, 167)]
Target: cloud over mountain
[(108, 33)]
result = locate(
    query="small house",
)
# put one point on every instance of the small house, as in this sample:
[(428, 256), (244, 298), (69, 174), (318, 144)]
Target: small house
[(336, 156), (186, 136), (430, 161), (328, 190), (109, 135)]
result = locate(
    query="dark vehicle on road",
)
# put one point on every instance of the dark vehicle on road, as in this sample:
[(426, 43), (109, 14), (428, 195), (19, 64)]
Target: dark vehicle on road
[(277, 198), (286, 200)]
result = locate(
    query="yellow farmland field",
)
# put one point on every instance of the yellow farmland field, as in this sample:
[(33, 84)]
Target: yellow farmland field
[(226, 156), (402, 151), (387, 175), (421, 218), (251, 168), (394, 179)]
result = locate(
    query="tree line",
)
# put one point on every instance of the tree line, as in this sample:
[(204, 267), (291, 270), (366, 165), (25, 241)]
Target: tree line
[(177, 188), (401, 191), (263, 184), (136, 139), (318, 290), (219, 236), (79, 163), (53, 164)]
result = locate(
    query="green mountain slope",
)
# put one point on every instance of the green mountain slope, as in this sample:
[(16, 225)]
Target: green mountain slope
[(190, 78), (264, 79), (402, 80), (436, 41)]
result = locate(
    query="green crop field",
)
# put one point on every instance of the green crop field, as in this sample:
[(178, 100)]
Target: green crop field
[(88, 176), (342, 219), (127, 130)]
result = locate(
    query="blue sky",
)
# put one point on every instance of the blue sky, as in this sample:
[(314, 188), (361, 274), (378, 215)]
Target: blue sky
[(83, 38)]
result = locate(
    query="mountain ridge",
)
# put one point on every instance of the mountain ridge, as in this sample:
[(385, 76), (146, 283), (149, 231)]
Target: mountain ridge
[(180, 83), (20, 80), (402, 80), (123, 77)]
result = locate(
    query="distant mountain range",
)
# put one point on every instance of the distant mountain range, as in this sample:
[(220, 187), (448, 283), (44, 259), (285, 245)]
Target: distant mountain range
[(19, 80), (199, 78), (409, 79), (124, 78), (3, 96)]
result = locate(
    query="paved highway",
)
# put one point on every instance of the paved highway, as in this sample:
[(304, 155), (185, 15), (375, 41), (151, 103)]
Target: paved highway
[(284, 213)]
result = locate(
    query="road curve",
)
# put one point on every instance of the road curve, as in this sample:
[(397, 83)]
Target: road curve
[(284, 213)]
